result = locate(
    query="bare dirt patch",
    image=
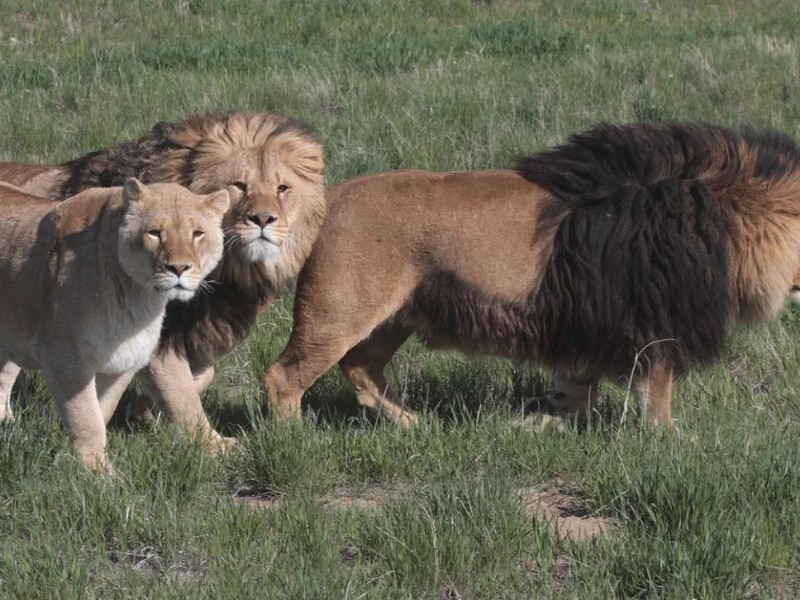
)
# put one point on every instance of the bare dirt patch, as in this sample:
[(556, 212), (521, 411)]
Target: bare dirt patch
[(368, 499), (563, 516)]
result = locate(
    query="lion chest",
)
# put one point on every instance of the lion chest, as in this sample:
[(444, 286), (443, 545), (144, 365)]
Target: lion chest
[(128, 347)]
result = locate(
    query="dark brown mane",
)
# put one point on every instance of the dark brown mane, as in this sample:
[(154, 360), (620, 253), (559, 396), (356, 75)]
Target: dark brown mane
[(166, 153), (646, 241), (112, 166), (593, 167), (211, 323)]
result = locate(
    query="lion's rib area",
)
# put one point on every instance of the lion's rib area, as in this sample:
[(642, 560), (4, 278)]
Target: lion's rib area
[(662, 237)]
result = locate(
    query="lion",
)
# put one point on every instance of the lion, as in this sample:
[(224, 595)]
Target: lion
[(273, 168), (627, 253), (85, 287)]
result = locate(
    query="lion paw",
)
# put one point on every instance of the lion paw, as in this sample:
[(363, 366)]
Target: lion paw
[(219, 444), (139, 411)]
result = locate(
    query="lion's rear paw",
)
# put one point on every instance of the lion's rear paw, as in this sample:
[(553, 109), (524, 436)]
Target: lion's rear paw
[(139, 411)]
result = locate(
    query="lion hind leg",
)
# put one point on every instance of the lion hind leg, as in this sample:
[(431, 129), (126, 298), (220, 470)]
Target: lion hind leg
[(301, 363), (8, 375), (327, 326), (365, 365)]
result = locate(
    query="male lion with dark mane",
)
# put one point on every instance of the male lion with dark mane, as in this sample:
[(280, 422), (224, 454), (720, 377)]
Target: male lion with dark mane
[(627, 253), (272, 167)]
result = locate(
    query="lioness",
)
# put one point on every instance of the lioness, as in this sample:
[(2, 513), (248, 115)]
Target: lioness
[(627, 253), (84, 285), (272, 166)]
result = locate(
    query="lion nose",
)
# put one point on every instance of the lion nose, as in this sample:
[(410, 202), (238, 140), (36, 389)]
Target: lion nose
[(177, 269), (262, 219)]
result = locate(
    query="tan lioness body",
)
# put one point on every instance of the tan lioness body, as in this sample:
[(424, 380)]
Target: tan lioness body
[(628, 253), (84, 286)]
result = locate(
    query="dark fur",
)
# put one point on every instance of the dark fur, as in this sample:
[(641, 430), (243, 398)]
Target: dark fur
[(112, 166), (642, 221), (214, 321)]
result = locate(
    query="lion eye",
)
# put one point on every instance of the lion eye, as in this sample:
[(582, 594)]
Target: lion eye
[(282, 188), (154, 233), (198, 234), (242, 185)]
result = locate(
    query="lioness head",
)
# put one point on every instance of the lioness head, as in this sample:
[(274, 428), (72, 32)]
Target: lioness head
[(272, 167), (170, 238)]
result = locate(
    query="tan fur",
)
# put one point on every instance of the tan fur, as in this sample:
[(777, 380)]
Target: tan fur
[(85, 283), (269, 232), (387, 234), (382, 236)]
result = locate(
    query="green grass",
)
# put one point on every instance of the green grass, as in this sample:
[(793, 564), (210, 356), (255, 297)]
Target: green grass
[(448, 85)]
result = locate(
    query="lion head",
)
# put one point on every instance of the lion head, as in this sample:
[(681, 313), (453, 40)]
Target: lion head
[(170, 238), (272, 167)]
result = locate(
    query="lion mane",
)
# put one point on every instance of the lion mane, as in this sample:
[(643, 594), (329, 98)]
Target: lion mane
[(627, 253)]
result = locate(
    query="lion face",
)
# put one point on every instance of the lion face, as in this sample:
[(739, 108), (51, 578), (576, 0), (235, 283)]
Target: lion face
[(265, 205), (272, 167), (170, 238), (271, 202)]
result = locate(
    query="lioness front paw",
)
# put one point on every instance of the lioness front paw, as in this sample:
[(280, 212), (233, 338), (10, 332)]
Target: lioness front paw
[(219, 444)]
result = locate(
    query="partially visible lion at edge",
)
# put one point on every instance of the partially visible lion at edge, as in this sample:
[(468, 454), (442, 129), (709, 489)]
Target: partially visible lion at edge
[(627, 253), (272, 167)]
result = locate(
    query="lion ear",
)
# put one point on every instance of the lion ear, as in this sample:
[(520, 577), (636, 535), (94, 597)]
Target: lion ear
[(133, 191), (218, 202)]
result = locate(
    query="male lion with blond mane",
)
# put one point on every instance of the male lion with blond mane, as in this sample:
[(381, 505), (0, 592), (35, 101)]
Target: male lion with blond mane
[(627, 253), (272, 166), (85, 285)]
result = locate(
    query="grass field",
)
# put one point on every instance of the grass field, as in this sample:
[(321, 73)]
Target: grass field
[(341, 506)]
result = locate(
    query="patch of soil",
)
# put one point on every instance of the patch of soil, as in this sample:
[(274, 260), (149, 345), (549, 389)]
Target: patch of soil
[(563, 516), (559, 510), (368, 499)]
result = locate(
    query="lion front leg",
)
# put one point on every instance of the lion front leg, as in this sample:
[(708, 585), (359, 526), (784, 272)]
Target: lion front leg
[(75, 396), (574, 396), (110, 388), (8, 375), (140, 410), (653, 389), (365, 365), (168, 379)]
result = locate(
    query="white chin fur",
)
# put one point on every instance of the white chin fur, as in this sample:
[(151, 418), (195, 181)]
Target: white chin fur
[(181, 294), (260, 250), (795, 296)]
